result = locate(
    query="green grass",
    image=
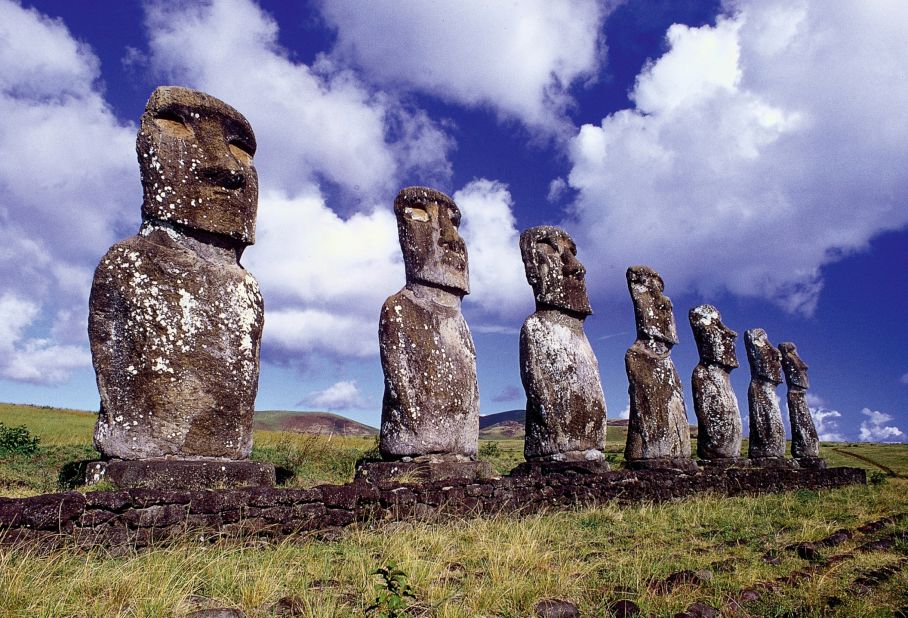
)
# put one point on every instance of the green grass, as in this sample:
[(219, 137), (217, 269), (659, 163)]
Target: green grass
[(458, 568)]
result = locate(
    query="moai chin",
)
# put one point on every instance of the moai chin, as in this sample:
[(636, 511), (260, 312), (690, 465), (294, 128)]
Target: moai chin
[(430, 410), (175, 321), (658, 434), (718, 418), (767, 433), (805, 445), (565, 413)]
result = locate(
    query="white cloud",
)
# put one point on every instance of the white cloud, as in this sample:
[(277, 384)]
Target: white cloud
[(875, 429), (518, 59), (497, 281), (625, 413), (342, 395), (771, 143), (824, 419), (69, 190), (35, 360), (904, 378)]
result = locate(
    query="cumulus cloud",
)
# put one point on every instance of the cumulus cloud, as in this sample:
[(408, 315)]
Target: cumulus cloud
[(519, 61), (904, 378), (343, 395), (824, 419), (625, 413), (68, 192), (771, 143), (497, 281), (508, 393), (875, 429)]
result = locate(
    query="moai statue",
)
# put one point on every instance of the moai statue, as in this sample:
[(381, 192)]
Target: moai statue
[(175, 321), (766, 444), (430, 411), (565, 413), (805, 445), (658, 435), (718, 418)]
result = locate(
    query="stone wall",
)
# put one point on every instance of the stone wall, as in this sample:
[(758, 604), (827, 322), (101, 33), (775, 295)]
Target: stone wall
[(141, 517)]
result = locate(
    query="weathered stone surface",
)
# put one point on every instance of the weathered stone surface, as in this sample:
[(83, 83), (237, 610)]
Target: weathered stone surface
[(431, 400), (767, 433), (174, 320), (544, 467), (422, 471), (555, 608), (804, 441), (657, 428), (565, 411), (719, 432), (181, 473)]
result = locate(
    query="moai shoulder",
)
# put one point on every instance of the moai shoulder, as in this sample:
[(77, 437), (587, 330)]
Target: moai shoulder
[(565, 413)]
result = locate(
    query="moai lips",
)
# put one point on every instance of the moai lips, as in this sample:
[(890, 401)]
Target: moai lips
[(175, 321), (718, 418), (805, 445), (767, 433), (565, 415), (658, 433), (431, 401)]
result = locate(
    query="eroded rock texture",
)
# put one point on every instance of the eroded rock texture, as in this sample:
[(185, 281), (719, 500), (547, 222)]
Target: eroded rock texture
[(767, 433), (804, 441), (174, 320), (431, 401), (657, 429), (719, 431), (565, 413)]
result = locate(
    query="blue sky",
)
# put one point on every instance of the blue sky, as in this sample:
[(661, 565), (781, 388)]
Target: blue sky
[(755, 152)]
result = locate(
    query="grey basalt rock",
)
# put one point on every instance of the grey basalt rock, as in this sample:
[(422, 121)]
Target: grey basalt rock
[(175, 321), (805, 445), (719, 431), (767, 433), (565, 410), (430, 409), (658, 433)]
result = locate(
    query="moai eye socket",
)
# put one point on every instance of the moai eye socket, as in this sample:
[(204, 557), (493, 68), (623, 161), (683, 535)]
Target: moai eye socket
[(240, 151), (172, 123), (416, 213)]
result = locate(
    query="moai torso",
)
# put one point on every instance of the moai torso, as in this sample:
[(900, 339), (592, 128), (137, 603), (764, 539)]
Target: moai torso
[(565, 412), (657, 427), (767, 433), (804, 440), (719, 431), (431, 400), (175, 321)]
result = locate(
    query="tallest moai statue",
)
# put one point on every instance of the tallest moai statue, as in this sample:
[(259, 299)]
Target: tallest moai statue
[(175, 321), (658, 435)]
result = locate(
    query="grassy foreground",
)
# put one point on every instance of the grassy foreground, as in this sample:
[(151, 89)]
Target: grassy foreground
[(487, 566)]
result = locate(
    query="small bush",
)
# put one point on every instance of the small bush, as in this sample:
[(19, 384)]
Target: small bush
[(490, 450), (878, 477), (392, 593), (17, 440)]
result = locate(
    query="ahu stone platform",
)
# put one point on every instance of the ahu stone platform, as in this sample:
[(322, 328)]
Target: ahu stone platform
[(143, 517)]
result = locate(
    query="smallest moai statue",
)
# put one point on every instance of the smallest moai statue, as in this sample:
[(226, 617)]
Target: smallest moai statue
[(766, 443), (565, 416), (805, 446), (718, 418), (658, 435)]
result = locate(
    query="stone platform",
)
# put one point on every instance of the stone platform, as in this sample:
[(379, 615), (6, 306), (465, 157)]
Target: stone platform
[(681, 464), (180, 473), (541, 468), (422, 471)]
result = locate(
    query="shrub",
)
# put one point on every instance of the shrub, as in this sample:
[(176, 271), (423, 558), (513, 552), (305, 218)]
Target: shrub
[(391, 593), (17, 440), (878, 478), (490, 450)]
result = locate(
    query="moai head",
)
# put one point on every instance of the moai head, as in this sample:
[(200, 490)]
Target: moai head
[(795, 368), (195, 154), (553, 270), (765, 361), (715, 341), (652, 309), (434, 253)]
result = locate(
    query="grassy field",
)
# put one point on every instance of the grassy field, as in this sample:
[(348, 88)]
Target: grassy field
[(662, 557)]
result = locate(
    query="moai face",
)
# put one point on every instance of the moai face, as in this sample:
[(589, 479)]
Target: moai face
[(765, 361), (652, 309), (434, 253), (795, 368), (195, 154), (715, 341), (553, 270)]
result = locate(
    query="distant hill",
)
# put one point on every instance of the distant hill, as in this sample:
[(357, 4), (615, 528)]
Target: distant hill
[(311, 422), (510, 425)]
